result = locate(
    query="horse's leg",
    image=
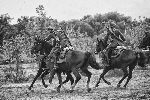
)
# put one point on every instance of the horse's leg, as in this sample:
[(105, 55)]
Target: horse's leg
[(78, 77), (129, 76), (106, 69), (42, 77), (52, 73), (37, 75), (88, 74), (60, 81), (69, 77), (125, 75)]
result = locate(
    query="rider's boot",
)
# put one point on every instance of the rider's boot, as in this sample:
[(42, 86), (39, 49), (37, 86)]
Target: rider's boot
[(62, 55), (107, 59), (53, 71)]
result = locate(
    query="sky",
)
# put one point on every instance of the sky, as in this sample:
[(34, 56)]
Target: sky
[(74, 9)]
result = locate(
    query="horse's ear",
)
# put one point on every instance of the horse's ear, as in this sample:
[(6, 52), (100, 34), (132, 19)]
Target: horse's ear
[(146, 34), (97, 39), (37, 38)]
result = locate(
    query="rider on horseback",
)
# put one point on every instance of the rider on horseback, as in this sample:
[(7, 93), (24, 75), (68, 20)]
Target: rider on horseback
[(116, 39), (59, 50), (54, 40)]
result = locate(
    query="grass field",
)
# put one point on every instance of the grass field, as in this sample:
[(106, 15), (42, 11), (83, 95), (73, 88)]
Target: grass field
[(138, 88)]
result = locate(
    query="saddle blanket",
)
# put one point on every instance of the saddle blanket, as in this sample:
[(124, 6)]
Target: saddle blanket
[(118, 50), (123, 47), (145, 50), (62, 57)]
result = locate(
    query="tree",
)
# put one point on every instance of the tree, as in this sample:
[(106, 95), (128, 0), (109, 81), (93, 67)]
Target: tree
[(4, 26), (84, 27)]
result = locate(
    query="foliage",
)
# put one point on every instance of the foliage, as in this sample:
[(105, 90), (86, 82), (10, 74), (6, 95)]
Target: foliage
[(81, 32), (4, 26), (9, 74)]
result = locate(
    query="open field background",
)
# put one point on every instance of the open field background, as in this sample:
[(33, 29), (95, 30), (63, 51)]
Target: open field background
[(138, 88), (18, 66)]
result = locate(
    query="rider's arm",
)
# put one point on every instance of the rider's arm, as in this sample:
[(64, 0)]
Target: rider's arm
[(114, 35), (121, 35)]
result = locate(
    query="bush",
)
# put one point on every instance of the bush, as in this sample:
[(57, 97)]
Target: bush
[(9, 75)]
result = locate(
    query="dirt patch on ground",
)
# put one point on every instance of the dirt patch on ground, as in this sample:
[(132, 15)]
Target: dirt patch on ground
[(138, 88)]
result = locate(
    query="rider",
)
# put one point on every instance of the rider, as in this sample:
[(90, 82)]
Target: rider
[(60, 50), (116, 39), (53, 56)]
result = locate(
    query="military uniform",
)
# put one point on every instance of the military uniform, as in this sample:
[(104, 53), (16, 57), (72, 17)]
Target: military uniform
[(62, 45), (64, 42), (116, 39), (54, 40)]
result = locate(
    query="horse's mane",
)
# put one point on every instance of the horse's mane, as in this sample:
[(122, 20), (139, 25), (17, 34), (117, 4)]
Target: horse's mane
[(145, 42), (104, 42), (46, 47)]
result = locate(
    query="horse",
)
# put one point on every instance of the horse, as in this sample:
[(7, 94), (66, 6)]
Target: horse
[(145, 45), (145, 41), (78, 62), (126, 59), (44, 48), (75, 61)]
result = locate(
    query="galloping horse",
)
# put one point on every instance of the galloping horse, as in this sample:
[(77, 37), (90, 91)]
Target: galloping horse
[(75, 61), (44, 48), (126, 59)]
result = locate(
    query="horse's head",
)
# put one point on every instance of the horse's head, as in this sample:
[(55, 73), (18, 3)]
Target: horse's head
[(41, 46), (37, 46), (100, 46), (145, 42)]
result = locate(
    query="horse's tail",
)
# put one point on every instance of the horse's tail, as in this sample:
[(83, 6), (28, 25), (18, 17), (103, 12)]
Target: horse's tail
[(140, 59), (87, 58)]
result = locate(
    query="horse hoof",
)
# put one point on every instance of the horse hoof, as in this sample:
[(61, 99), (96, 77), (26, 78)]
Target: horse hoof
[(118, 86), (58, 89), (45, 86), (50, 82), (29, 88), (109, 83), (89, 89), (124, 86), (96, 85), (71, 91)]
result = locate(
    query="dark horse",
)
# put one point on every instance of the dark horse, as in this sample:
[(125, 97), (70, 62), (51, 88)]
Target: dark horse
[(126, 59), (78, 62), (75, 61), (44, 48)]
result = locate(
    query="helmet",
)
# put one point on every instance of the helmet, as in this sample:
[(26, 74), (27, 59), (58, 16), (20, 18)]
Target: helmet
[(147, 28), (50, 29), (112, 24)]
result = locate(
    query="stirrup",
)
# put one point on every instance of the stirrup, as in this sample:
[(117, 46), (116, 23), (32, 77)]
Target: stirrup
[(61, 60), (55, 66), (106, 64)]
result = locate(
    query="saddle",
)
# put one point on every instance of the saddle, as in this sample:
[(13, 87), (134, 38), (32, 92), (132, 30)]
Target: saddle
[(117, 51), (62, 56)]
